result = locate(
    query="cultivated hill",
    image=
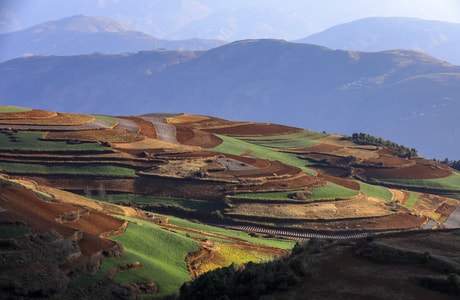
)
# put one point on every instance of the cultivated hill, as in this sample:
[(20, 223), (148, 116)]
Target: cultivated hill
[(396, 94), (100, 206), (84, 35), (439, 39)]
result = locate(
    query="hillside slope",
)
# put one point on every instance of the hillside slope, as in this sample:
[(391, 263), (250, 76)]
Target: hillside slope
[(439, 39), (85, 35), (99, 206), (393, 94)]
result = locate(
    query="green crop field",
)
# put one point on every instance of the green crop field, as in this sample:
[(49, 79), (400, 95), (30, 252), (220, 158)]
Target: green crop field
[(32, 141), (236, 146), (83, 169), (276, 243), (291, 140), (328, 192), (375, 191), (409, 204), (332, 191), (450, 183), (13, 109), (110, 120), (160, 252), (187, 204), (269, 196), (284, 137)]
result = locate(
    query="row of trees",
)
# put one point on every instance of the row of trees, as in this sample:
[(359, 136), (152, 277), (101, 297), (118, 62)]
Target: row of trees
[(367, 139), (454, 164)]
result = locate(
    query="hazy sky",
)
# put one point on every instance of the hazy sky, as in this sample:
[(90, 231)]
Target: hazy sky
[(166, 18)]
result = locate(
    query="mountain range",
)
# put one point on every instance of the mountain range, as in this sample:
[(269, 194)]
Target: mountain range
[(84, 35), (405, 96), (439, 39)]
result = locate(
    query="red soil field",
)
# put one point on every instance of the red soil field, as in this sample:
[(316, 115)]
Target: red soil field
[(22, 204), (195, 137), (351, 184), (423, 169), (254, 130), (145, 127)]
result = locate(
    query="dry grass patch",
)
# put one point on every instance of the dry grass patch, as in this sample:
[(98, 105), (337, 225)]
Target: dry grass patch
[(345, 147), (428, 204), (186, 118), (359, 207), (24, 115), (61, 119), (105, 135)]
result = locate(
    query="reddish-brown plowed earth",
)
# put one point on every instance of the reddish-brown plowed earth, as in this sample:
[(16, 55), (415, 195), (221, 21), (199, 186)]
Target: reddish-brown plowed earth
[(24, 205), (328, 158), (32, 114), (351, 184), (195, 137), (145, 127), (145, 185), (421, 170), (255, 130), (389, 161), (256, 162)]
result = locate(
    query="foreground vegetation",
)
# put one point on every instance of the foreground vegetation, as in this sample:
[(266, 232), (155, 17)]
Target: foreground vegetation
[(254, 280), (160, 253)]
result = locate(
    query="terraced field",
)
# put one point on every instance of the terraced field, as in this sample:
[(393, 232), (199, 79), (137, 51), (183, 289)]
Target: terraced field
[(274, 184)]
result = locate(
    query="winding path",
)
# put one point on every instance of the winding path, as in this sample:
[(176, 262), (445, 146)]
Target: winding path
[(166, 132), (126, 125), (453, 221)]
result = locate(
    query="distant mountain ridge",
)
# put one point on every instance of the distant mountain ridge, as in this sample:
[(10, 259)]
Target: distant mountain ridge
[(439, 39), (404, 96), (85, 35)]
